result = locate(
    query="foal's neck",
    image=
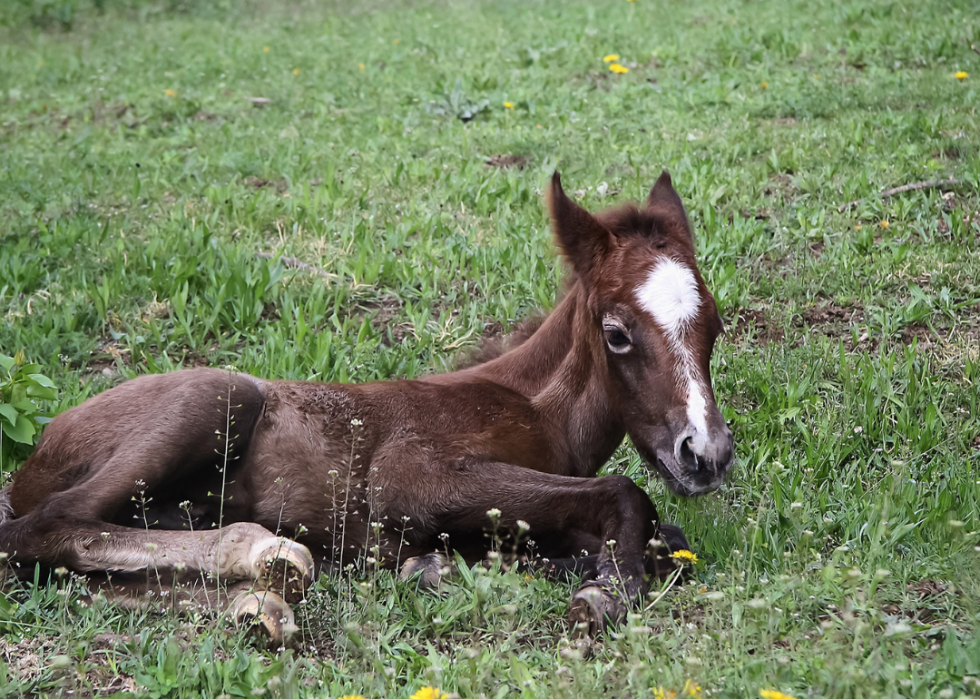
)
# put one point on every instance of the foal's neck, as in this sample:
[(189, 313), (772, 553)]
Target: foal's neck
[(562, 369)]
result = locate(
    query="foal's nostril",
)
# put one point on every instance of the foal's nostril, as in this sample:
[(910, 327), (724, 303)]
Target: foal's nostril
[(686, 455)]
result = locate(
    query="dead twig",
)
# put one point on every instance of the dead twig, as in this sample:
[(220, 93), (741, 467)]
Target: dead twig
[(904, 188), (295, 263), (975, 48)]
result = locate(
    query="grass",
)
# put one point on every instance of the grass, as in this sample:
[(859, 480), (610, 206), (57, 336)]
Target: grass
[(140, 184)]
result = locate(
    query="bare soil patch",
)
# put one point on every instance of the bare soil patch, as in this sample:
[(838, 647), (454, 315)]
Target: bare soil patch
[(780, 187), (387, 309), (754, 323), (280, 185), (508, 161)]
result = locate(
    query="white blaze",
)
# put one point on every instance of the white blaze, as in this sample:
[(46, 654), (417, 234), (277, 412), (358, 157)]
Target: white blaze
[(670, 294)]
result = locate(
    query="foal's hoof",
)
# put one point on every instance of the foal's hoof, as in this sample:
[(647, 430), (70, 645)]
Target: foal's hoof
[(283, 566), (593, 610), (265, 614), (431, 567)]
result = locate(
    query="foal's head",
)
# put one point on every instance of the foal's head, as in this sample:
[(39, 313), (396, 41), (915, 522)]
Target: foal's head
[(657, 324)]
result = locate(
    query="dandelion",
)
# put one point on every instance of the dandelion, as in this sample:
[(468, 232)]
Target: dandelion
[(961, 75), (885, 224), (692, 689), (396, 42), (429, 693), (610, 58), (508, 105), (764, 84), (361, 66), (295, 71), (661, 693), (617, 68), (774, 694), (857, 227), (352, 696), (684, 556), (265, 49), (170, 93)]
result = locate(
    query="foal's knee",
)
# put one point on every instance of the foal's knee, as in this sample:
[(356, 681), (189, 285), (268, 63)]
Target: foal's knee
[(627, 495)]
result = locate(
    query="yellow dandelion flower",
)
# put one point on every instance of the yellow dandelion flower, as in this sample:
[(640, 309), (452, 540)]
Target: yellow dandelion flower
[(265, 49), (961, 75), (610, 58), (170, 93), (885, 224), (509, 105), (661, 693), (295, 71), (352, 696), (684, 556), (396, 42), (692, 689), (764, 84), (616, 68), (773, 694), (429, 693), (361, 66), (857, 227)]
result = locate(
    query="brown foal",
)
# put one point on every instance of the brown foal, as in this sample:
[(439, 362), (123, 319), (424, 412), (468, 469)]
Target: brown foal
[(245, 479)]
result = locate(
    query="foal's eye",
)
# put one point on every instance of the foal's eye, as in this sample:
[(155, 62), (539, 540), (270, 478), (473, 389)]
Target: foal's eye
[(618, 341)]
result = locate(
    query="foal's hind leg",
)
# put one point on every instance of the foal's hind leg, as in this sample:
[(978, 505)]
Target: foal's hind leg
[(263, 612), (137, 438), (241, 551)]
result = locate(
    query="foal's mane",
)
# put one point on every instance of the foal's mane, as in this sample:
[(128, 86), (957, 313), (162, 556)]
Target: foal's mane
[(491, 347)]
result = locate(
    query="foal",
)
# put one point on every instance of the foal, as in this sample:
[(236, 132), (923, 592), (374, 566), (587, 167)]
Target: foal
[(242, 478)]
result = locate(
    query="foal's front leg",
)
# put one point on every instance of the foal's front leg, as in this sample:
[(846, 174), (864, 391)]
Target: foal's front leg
[(613, 509), (659, 562)]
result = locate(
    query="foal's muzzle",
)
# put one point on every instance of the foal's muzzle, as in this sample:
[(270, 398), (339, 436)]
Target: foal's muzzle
[(703, 463)]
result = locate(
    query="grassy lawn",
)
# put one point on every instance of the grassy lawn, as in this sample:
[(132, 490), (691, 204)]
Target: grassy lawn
[(164, 164)]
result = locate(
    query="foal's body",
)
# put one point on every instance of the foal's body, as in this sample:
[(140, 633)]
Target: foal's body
[(205, 469)]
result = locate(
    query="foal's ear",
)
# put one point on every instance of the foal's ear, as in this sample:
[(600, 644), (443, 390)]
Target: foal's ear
[(665, 199), (582, 239)]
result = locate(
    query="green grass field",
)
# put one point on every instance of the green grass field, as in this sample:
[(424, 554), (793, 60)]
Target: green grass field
[(149, 200)]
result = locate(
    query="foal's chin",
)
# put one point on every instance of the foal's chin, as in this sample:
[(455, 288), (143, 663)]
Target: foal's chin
[(680, 483)]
